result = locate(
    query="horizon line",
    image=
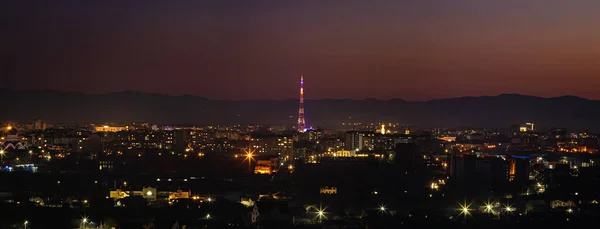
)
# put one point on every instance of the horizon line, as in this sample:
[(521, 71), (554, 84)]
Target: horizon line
[(270, 99)]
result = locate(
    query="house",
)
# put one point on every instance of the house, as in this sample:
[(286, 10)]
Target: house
[(561, 204), (271, 214)]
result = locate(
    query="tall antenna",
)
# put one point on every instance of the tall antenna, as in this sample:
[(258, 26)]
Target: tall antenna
[(301, 123)]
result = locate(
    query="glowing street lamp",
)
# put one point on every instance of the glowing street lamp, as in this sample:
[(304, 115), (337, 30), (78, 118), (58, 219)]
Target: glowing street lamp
[(464, 209), (508, 208), (320, 212), (25, 224), (382, 208), (488, 208), (83, 222), (249, 156)]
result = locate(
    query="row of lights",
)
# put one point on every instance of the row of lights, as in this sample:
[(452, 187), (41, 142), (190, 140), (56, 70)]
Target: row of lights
[(489, 208)]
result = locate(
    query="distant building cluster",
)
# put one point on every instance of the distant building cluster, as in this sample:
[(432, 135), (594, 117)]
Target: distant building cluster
[(519, 158)]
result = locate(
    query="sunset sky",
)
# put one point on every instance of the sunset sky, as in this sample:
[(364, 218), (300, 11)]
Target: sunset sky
[(414, 50)]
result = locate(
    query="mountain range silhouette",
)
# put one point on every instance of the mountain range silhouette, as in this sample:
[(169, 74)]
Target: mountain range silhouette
[(499, 111)]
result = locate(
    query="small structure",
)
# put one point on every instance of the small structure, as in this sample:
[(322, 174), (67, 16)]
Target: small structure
[(561, 204), (179, 195), (265, 165), (247, 201), (150, 194), (118, 194), (272, 213), (328, 190)]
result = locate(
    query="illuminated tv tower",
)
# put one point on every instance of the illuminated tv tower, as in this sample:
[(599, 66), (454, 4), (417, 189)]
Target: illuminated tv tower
[(301, 123)]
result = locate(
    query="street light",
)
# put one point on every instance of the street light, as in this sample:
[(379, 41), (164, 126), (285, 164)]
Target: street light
[(249, 156), (382, 208), (83, 221), (508, 208), (488, 208), (464, 209), (321, 212), (25, 224)]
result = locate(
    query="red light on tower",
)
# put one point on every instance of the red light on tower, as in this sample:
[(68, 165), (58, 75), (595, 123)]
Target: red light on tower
[(301, 123)]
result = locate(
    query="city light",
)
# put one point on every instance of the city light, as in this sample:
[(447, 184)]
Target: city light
[(249, 156), (434, 186), (382, 208), (320, 212), (508, 208), (464, 209), (84, 220), (488, 208)]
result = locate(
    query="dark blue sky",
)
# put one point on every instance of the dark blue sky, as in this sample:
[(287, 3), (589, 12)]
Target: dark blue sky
[(415, 50)]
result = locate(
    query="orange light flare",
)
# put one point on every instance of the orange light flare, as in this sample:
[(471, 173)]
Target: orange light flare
[(250, 157)]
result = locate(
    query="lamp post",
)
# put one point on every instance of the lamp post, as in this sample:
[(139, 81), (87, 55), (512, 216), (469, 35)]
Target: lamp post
[(321, 213), (25, 224), (249, 156)]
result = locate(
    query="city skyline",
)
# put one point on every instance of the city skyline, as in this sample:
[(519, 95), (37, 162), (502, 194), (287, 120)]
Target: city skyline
[(411, 50), (196, 114)]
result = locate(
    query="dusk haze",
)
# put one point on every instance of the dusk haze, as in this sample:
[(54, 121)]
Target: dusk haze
[(305, 114), (414, 50)]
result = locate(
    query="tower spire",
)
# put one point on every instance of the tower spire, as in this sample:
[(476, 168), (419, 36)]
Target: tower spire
[(301, 124)]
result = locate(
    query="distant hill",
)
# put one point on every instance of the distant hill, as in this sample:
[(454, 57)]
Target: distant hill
[(487, 111)]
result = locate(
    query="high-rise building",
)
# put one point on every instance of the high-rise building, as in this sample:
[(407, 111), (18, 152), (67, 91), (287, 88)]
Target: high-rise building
[(530, 126), (39, 124), (527, 127), (271, 144), (180, 141), (301, 123), (360, 140)]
